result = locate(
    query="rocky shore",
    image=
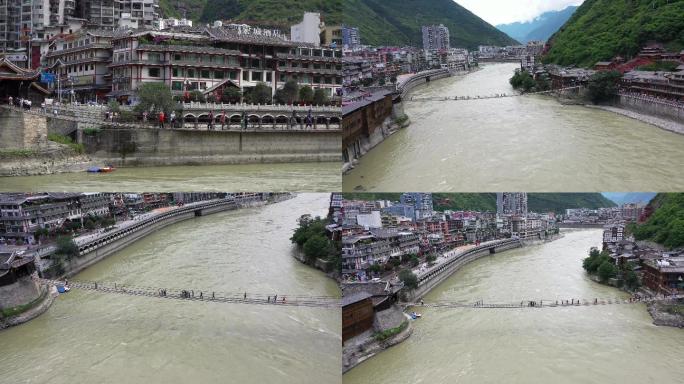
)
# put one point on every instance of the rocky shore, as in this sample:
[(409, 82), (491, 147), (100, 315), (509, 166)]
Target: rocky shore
[(56, 158), (662, 316), (659, 122), (364, 346), (46, 300)]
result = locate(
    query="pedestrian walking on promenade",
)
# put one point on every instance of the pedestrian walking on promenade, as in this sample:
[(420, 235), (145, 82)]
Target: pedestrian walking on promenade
[(245, 297), (173, 119), (210, 124), (223, 119), (10, 101), (161, 119)]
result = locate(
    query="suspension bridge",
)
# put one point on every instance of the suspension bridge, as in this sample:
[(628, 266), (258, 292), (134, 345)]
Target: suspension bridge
[(186, 294), (486, 97), (536, 304)]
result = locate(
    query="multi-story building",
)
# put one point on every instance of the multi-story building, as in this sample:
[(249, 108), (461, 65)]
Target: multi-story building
[(360, 252), (309, 30), (511, 203), (435, 37), (422, 203), (21, 215), (331, 36), (81, 61), (664, 275), (211, 58), (351, 38), (138, 13)]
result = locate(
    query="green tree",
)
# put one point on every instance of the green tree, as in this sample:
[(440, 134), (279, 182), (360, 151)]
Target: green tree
[(606, 271), (259, 94), (414, 260), (631, 280), (409, 279), (316, 247), (375, 268), (603, 86), (197, 96), (431, 258), (154, 98), (306, 94), (67, 247), (381, 81), (114, 106), (320, 97), (231, 95), (289, 92)]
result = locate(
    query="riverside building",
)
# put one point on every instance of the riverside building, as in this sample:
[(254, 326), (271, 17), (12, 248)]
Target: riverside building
[(210, 59)]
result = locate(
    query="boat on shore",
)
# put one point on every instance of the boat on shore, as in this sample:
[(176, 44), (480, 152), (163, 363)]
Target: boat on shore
[(106, 169)]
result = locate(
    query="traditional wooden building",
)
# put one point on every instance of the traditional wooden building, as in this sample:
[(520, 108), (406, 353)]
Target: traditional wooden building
[(664, 275), (357, 314), (20, 82), (361, 120)]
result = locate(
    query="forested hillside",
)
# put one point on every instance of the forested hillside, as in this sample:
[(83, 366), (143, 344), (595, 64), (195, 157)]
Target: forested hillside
[(399, 22), (281, 13), (666, 225), (602, 29)]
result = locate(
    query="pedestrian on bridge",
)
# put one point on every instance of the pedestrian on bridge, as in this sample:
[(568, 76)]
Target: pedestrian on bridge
[(245, 296)]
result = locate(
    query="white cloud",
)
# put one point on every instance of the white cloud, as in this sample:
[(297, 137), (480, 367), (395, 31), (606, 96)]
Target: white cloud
[(509, 11)]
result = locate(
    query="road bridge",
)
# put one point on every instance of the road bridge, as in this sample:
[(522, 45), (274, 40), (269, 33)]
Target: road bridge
[(207, 295)]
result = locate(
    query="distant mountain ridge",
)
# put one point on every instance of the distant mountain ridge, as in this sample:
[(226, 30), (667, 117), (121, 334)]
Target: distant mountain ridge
[(399, 22), (629, 197), (541, 28)]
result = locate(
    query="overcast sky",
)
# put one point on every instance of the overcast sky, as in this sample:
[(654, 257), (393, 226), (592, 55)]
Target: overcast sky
[(508, 11)]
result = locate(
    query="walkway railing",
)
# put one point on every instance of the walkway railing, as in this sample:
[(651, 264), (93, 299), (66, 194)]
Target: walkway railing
[(290, 124), (189, 294)]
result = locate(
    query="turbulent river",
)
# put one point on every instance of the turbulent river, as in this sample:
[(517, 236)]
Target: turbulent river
[(309, 177), (88, 337), (601, 344), (530, 143)]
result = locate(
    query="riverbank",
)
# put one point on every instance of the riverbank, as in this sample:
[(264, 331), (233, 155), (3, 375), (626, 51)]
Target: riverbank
[(659, 122), (368, 344), (31, 310), (668, 314), (54, 159), (365, 348), (398, 119)]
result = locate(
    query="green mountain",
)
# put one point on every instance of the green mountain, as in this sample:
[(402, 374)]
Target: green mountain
[(536, 202), (282, 13), (666, 224), (399, 22), (602, 29)]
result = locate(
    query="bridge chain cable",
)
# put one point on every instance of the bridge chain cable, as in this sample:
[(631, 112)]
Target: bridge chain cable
[(244, 297), (549, 303), (496, 96)]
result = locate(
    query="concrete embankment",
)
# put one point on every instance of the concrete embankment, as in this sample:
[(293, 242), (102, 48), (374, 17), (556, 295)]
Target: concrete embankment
[(443, 270), (110, 242), (366, 347), (125, 147), (35, 309)]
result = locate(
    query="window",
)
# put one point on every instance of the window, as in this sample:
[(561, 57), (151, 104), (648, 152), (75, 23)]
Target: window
[(245, 75), (218, 74), (256, 76), (203, 85), (232, 75), (191, 72), (178, 57), (175, 72), (206, 74), (153, 72), (177, 85)]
